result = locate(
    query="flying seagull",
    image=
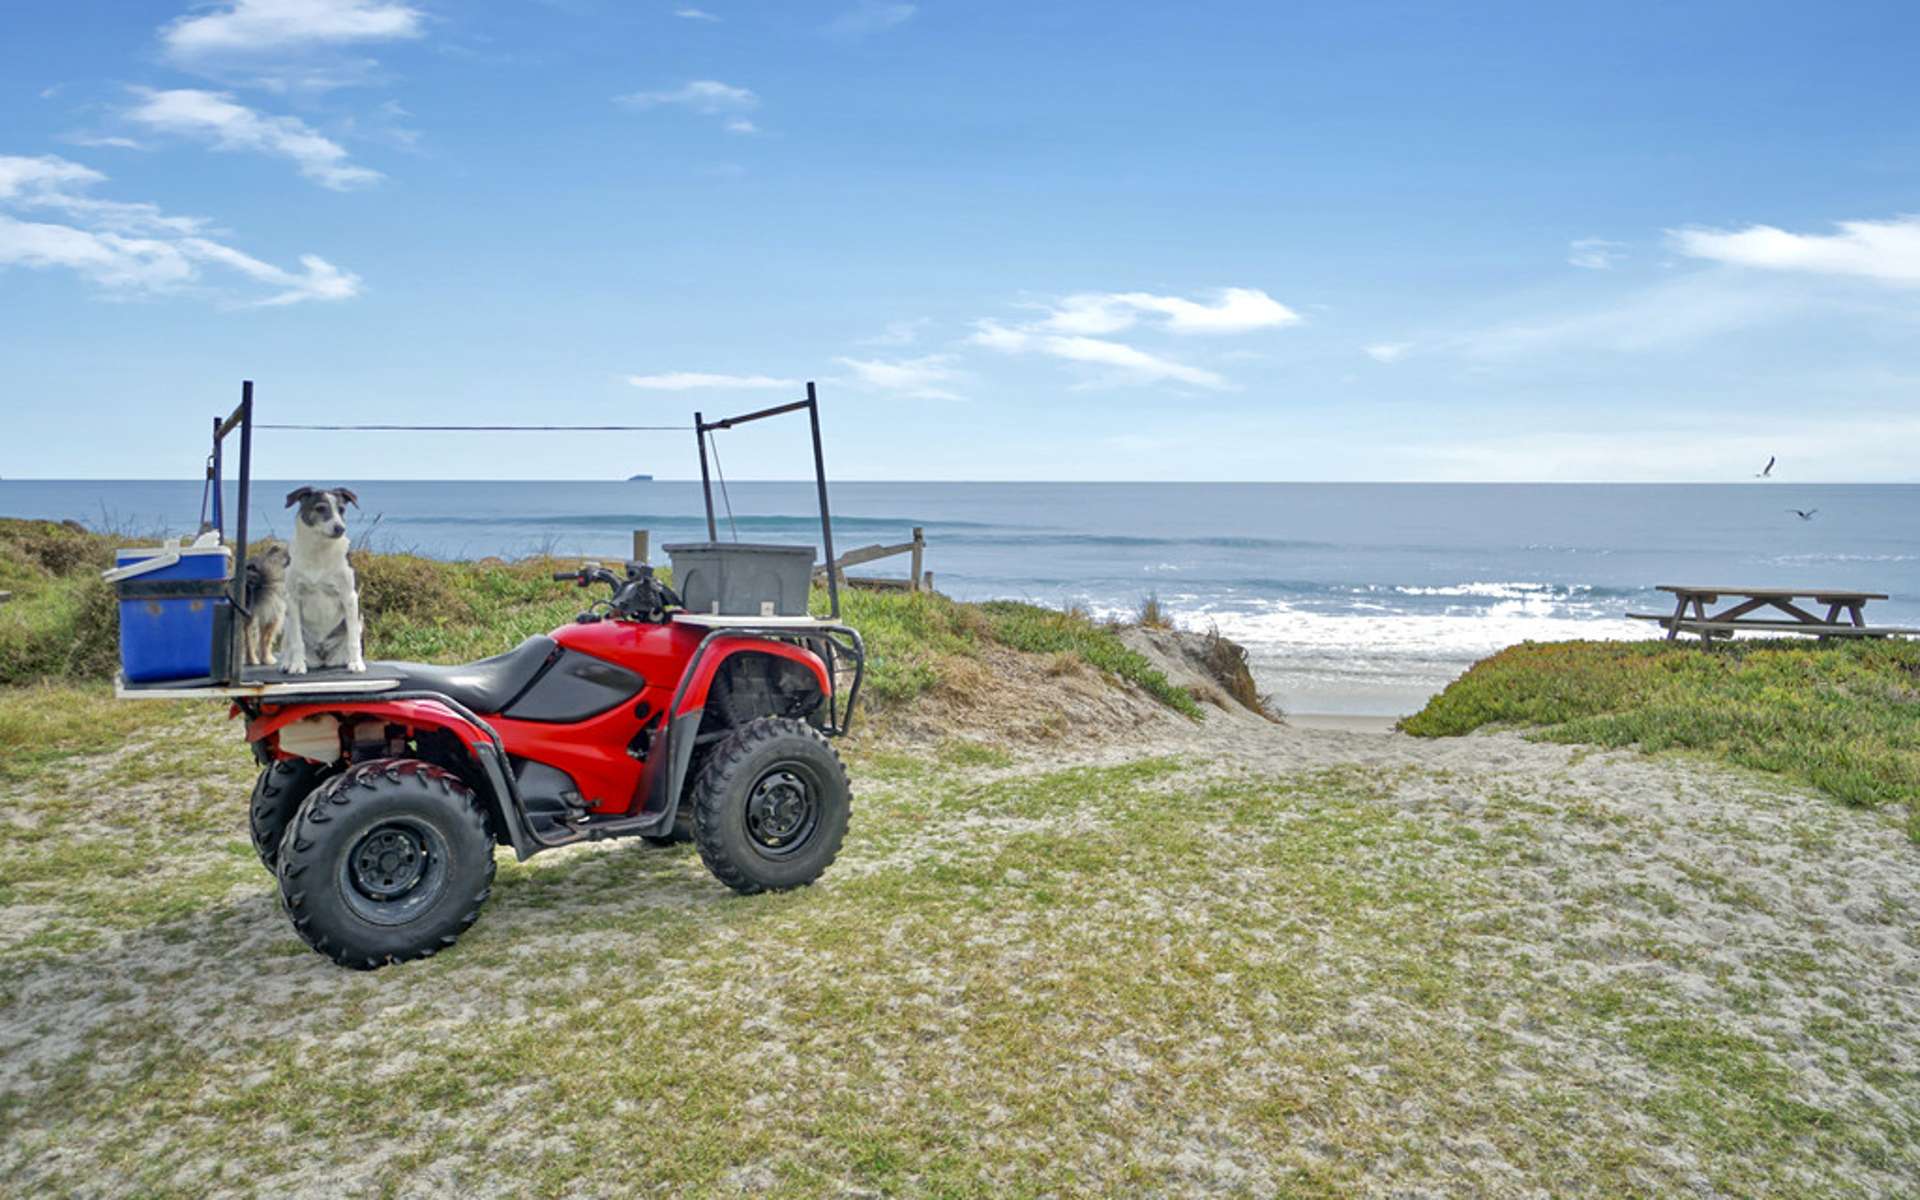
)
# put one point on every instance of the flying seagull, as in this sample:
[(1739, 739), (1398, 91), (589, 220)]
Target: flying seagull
[(1766, 472), (1805, 514)]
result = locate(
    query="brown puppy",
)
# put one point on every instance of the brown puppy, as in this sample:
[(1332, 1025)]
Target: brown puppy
[(266, 600)]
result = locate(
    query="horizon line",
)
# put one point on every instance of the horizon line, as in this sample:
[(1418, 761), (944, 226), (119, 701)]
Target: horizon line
[(807, 479)]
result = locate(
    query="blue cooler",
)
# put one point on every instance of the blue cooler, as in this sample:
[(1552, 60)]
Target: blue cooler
[(167, 636)]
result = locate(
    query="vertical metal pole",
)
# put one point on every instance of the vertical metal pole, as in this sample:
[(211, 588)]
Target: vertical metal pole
[(706, 484), (236, 655), (826, 517), (219, 505)]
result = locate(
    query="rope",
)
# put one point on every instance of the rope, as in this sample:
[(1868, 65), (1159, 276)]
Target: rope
[(722, 475), (489, 428)]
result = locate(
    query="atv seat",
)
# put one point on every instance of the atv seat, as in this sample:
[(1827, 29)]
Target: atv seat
[(486, 686)]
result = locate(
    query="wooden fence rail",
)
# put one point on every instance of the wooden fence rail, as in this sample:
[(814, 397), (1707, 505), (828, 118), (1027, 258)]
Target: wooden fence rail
[(917, 580)]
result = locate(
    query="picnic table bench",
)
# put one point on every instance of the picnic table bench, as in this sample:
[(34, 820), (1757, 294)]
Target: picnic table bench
[(1786, 617)]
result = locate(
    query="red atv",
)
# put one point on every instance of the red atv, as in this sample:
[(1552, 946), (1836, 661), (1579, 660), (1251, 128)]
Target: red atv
[(379, 811), (383, 794)]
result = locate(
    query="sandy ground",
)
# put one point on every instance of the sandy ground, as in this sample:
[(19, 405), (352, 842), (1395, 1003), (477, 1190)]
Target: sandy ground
[(1342, 722), (1644, 965)]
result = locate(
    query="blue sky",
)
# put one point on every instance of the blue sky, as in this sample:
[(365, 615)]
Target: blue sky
[(1010, 240)]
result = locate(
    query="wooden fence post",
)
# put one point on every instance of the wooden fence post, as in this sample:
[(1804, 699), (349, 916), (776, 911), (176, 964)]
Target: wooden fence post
[(639, 545), (919, 548)]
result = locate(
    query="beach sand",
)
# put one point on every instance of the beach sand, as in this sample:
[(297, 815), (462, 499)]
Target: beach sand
[(1341, 722)]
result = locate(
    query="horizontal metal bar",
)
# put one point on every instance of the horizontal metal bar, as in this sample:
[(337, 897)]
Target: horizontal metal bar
[(730, 422), (233, 419)]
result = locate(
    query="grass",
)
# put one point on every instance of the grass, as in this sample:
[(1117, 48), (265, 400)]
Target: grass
[(1132, 979), (63, 623), (1841, 718), (43, 725)]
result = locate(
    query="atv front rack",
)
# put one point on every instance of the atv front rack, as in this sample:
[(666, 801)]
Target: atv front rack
[(828, 638)]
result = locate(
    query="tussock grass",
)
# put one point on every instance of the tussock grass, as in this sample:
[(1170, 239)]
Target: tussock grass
[(63, 622), (1039, 630), (1227, 662), (1843, 718)]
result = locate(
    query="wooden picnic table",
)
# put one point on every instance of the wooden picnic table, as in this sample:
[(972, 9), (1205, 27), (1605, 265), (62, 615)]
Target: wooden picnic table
[(1786, 617)]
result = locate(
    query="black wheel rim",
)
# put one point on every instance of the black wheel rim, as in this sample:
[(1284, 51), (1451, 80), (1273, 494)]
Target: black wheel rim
[(783, 810), (394, 871)]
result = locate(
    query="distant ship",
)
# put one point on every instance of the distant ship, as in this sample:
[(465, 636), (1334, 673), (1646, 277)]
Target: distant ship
[(639, 479)]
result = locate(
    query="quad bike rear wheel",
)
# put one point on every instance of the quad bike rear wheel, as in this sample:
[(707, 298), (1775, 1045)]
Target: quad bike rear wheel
[(388, 861), (277, 794), (771, 805)]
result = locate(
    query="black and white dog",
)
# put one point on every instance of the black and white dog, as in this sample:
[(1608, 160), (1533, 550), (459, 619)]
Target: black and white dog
[(323, 626)]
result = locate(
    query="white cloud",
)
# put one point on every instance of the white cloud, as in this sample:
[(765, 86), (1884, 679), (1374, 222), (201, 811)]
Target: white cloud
[(1593, 254), (870, 16), (898, 333), (1885, 250), (921, 378), (48, 174), (1073, 328), (241, 27), (1388, 352), (694, 14), (707, 96), (55, 184), (131, 247), (1233, 310), (1128, 361), (96, 141), (215, 117), (687, 381), (995, 336)]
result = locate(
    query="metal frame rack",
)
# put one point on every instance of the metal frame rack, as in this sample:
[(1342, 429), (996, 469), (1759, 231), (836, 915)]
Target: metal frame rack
[(701, 428)]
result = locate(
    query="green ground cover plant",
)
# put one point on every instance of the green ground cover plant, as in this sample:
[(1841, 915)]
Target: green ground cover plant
[(1842, 717)]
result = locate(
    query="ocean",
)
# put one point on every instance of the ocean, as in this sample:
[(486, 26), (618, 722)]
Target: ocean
[(1352, 598)]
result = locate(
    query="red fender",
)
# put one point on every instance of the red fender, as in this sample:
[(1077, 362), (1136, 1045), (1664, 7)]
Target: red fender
[(419, 714), (724, 648)]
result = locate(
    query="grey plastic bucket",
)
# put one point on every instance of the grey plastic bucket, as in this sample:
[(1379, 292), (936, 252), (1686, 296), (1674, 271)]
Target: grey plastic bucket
[(741, 579)]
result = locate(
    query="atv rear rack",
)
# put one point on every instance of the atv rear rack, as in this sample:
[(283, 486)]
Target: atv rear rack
[(259, 683)]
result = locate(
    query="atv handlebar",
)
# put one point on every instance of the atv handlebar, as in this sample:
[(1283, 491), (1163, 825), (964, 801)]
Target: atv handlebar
[(638, 597)]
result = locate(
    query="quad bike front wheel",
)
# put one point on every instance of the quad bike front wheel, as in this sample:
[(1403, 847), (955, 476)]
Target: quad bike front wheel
[(770, 807), (388, 861)]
